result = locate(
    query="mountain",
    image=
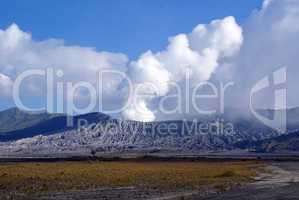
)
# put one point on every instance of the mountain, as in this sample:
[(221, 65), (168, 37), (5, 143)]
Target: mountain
[(111, 135), (292, 115), (116, 136), (105, 134), (283, 143), (45, 124), (15, 119)]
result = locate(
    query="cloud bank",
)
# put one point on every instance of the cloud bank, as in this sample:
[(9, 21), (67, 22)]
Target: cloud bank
[(199, 52), (19, 52), (271, 38), (219, 51)]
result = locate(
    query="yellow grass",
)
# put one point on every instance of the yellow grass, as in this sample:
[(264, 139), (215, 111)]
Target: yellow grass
[(38, 177)]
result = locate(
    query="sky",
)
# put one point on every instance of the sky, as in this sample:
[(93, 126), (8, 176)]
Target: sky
[(162, 47), (130, 27)]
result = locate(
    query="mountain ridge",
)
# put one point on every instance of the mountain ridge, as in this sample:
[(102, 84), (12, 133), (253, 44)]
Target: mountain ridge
[(52, 135), (15, 119)]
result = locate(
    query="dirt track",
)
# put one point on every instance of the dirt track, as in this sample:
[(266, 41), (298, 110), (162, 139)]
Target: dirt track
[(281, 184)]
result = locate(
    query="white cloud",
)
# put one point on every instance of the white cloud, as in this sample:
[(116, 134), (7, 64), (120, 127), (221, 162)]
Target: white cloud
[(19, 52), (5, 86), (199, 52), (223, 36), (271, 38)]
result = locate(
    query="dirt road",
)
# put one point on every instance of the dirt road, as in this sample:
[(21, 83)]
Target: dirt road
[(281, 184)]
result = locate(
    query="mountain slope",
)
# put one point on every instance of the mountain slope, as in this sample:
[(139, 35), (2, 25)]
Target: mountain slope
[(283, 143), (15, 119), (107, 134), (51, 125), (116, 135)]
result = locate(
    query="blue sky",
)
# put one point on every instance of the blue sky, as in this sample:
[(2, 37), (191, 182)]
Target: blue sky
[(129, 27)]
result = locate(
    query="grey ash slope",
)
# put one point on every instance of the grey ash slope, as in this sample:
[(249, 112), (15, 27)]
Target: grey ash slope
[(281, 144), (117, 135)]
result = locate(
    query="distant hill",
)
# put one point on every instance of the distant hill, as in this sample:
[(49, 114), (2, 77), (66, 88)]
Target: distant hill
[(51, 134), (283, 143), (15, 119), (292, 116), (17, 124)]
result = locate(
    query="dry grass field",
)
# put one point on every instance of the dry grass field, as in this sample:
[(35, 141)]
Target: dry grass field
[(166, 176)]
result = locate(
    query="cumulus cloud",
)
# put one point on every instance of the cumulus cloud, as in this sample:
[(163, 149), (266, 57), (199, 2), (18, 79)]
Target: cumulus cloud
[(19, 52), (224, 51), (271, 37), (198, 54), (5, 86)]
